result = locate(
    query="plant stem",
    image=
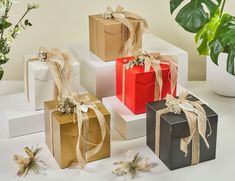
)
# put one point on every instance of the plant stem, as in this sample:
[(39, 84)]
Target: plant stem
[(222, 9), (26, 12)]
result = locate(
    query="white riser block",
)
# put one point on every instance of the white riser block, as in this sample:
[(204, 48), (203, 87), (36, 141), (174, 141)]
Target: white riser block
[(129, 125), (18, 118), (97, 76)]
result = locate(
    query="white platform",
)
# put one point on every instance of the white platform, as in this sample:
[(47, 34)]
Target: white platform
[(128, 124), (97, 75), (222, 168), (17, 117)]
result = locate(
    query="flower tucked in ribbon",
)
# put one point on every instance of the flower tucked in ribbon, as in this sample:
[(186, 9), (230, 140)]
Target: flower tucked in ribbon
[(31, 163), (79, 108), (125, 18), (133, 165), (66, 106), (197, 121), (155, 60), (59, 64)]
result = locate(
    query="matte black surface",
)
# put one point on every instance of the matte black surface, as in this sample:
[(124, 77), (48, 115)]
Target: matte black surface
[(173, 128)]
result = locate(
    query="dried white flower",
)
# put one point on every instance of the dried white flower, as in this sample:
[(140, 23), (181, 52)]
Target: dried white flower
[(33, 6)]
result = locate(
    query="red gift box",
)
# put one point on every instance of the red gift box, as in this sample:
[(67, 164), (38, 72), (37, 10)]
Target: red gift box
[(139, 85)]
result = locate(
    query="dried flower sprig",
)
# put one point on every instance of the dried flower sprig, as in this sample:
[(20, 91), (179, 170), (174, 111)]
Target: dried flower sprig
[(66, 106), (31, 163), (133, 165), (138, 61)]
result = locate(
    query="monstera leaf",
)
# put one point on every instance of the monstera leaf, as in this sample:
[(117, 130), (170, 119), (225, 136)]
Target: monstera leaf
[(195, 14), (224, 41), (207, 34)]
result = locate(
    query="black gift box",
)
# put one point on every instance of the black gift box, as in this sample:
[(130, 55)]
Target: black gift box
[(173, 127)]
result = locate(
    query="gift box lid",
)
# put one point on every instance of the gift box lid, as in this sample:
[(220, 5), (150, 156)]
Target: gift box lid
[(111, 26), (40, 68), (139, 69), (178, 122), (68, 118)]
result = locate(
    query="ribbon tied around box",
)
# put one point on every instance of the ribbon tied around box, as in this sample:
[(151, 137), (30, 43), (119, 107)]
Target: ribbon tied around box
[(197, 122)]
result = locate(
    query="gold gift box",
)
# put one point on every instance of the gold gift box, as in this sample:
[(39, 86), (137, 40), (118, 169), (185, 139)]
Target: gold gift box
[(65, 134), (108, 37)]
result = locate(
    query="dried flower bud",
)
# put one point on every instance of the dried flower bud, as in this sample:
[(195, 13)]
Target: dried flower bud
[(33, 6)]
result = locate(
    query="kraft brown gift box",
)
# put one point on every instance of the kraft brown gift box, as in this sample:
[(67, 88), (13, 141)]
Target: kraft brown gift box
[(108, 37), (65, 134)]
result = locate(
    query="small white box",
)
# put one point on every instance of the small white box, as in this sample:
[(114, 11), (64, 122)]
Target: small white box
[(128, 124), (97, 76), (41, 86), (17, 117)]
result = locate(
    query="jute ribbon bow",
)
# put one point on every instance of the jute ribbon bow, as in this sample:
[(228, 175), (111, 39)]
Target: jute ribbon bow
[(125, 17), (197, 121), (59, 64), (154, 60)]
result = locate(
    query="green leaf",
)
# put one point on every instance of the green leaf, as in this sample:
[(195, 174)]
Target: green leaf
[(224, 40), (174, 4), (193, 16), (1, 73), (5, 25), (207, 34)]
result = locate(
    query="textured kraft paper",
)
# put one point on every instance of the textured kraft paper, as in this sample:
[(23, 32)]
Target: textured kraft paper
[(65, 134), (108, 37)]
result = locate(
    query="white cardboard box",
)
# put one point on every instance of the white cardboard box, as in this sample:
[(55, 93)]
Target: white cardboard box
[(128, 124), (41, 84), (99, 77), (17, 116)]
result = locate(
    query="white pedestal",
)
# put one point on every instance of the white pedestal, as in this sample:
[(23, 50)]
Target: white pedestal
[(99, 77), (152, 43), (128, 124), (17, 116)]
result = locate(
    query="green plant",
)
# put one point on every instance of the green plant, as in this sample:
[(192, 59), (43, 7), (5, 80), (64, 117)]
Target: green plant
[(214, 29), (8, 32)]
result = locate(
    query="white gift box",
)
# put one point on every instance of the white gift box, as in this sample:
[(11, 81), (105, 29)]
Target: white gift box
[(99, 77), (128, 124), (40, 85), (17, 117)]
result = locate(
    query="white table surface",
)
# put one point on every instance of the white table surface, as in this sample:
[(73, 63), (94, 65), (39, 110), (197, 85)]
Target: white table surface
[(223, 168)]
